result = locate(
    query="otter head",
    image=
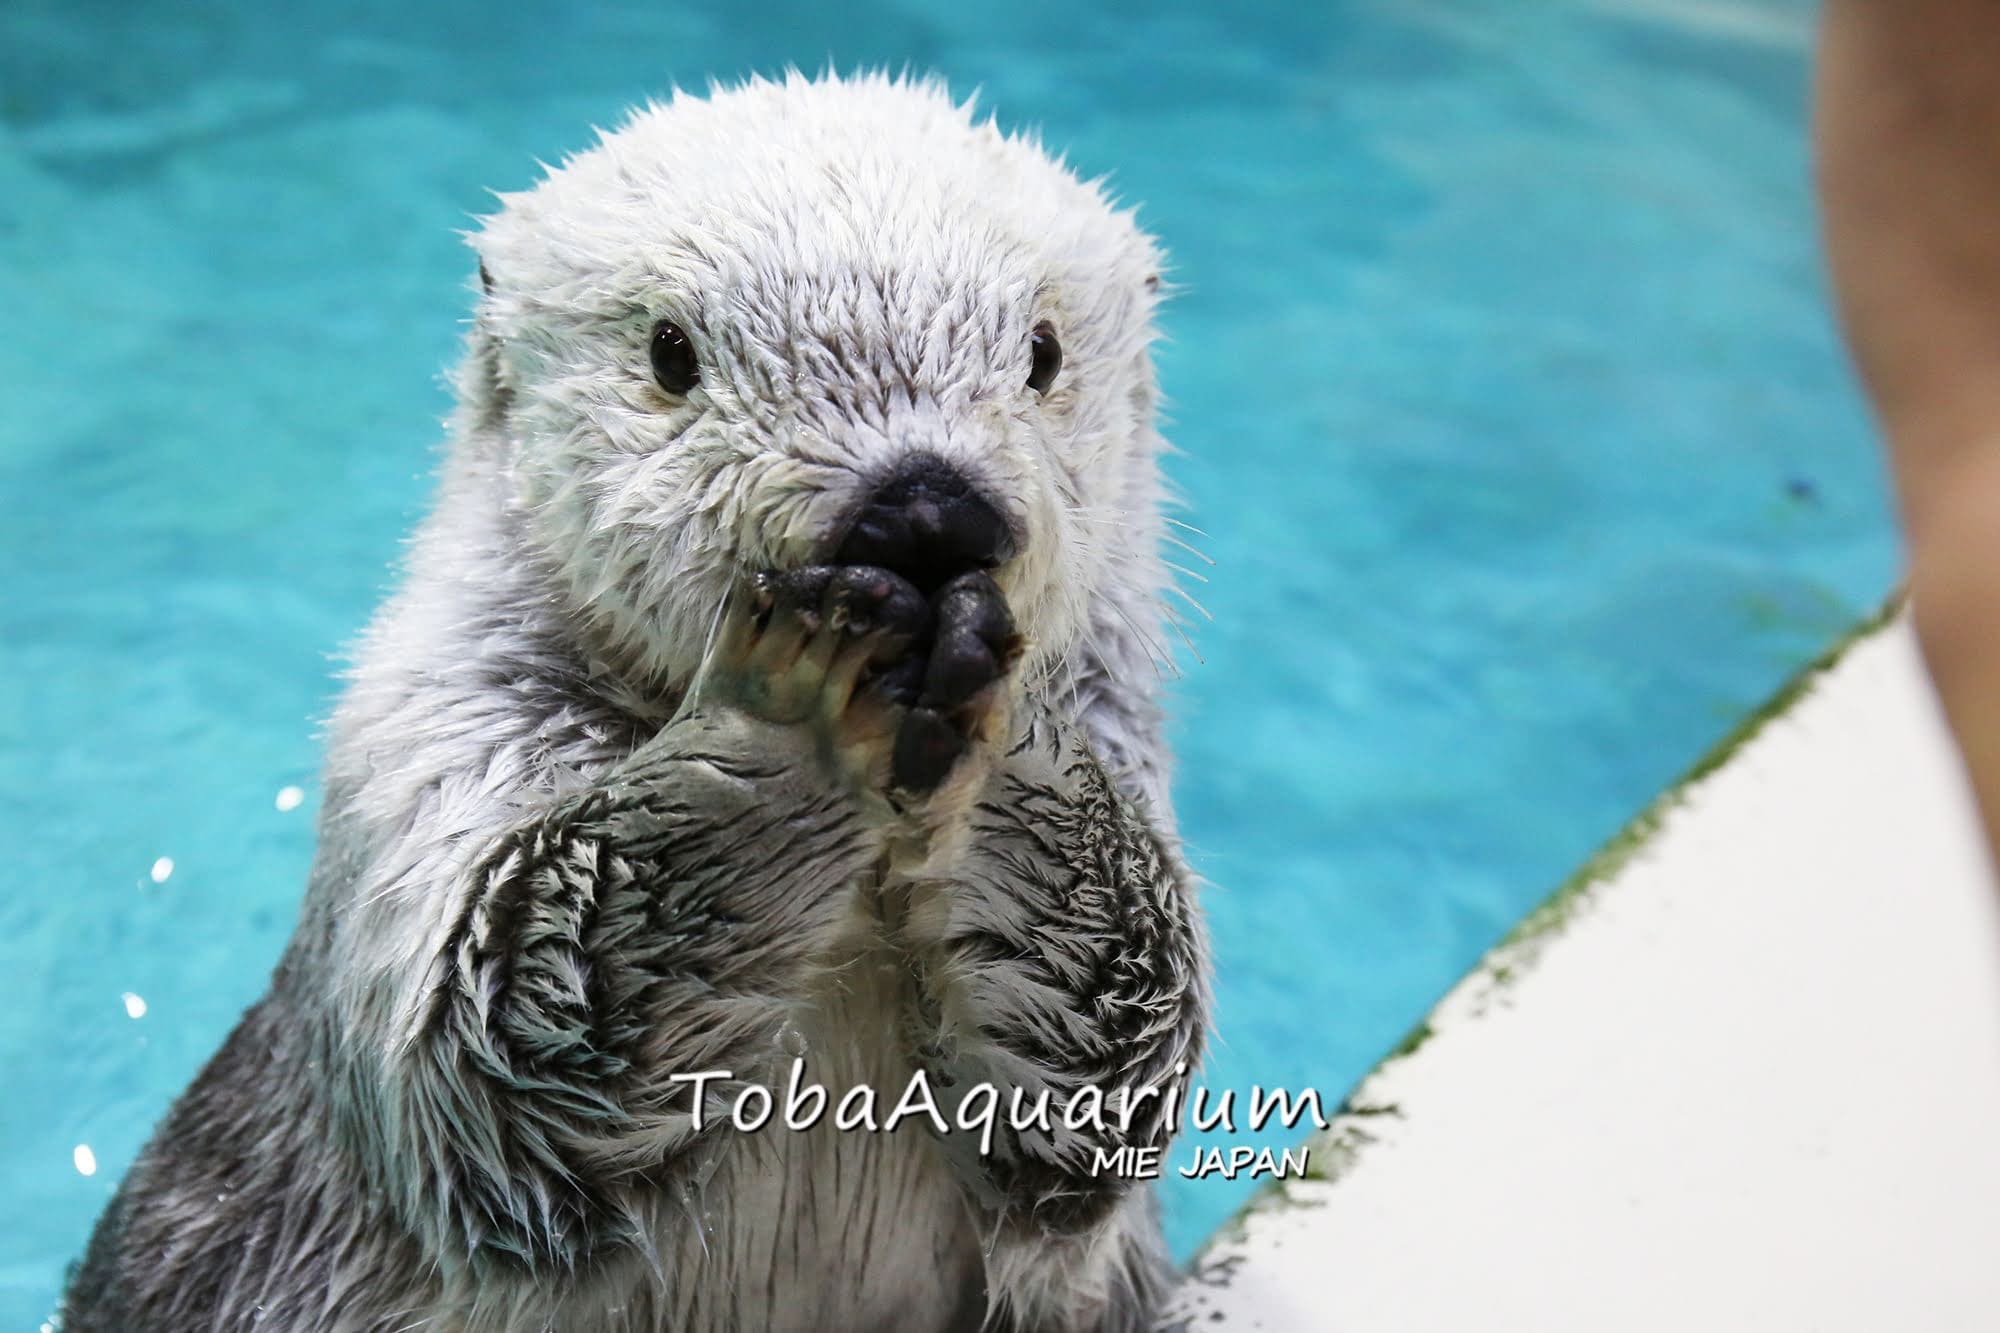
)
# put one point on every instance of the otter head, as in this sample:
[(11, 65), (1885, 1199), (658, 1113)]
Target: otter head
[(810, 322)]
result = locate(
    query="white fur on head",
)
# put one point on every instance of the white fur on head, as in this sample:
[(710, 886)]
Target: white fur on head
[(860, 266)]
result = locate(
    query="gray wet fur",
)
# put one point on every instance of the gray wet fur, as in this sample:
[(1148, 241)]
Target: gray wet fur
[(555, 867)]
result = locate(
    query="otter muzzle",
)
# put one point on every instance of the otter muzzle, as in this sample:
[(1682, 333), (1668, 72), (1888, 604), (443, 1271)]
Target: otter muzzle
[(928, 523)]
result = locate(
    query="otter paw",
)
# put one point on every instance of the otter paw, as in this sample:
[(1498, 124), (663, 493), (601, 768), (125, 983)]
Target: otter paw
[(796, 653), (973, 647)]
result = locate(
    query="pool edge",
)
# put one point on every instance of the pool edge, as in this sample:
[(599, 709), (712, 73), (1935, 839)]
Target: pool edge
[(1332, 1151)]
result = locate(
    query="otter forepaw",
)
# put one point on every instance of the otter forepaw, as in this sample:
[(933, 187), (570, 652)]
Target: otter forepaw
[(799, 652), (898, 687), (952, 703)]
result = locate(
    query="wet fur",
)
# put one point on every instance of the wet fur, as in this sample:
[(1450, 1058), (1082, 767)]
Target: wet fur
[(556, 864)]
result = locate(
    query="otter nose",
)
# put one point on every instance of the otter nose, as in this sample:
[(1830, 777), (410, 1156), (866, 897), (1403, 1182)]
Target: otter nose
[(928, 523)]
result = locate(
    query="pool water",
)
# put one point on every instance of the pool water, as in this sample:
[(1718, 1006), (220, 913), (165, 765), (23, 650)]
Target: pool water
[(1502, 370)]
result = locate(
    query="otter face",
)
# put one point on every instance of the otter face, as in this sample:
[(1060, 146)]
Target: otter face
[(817, 322)]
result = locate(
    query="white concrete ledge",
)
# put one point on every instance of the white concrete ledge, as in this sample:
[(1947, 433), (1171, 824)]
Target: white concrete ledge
[(1742, 1073)]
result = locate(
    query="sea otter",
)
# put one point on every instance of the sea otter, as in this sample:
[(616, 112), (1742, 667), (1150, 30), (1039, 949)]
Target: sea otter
[(773, 686)]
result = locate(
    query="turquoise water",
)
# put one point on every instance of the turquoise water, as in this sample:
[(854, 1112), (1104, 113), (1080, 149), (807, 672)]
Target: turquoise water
[(1502, 372)]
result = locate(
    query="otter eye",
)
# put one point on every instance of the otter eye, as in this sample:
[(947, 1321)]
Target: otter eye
[(674, 365), (1046, 358)]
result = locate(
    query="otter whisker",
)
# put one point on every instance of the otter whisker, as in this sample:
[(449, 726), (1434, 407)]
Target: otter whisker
[(1180, 629), (1194, 551), (1190, 599), (1117, 519), (704, 666), (1120, 515), (1155, 650)]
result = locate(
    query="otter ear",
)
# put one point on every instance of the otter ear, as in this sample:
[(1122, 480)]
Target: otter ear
[(485, 388), (485, 385)]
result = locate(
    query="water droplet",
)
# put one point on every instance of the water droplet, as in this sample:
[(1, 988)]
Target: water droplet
[(791, 1040), (135, 1005), (162, 869), (289, 798), (85, 1159)]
